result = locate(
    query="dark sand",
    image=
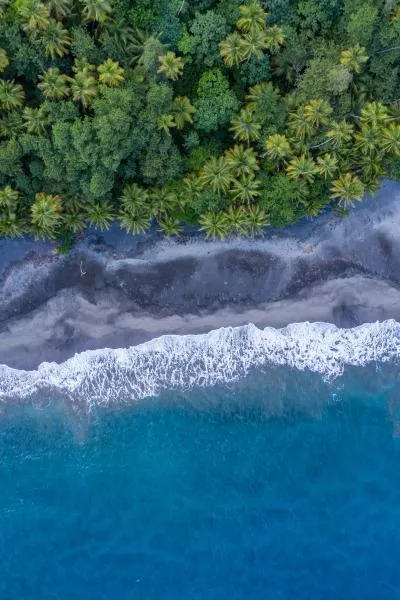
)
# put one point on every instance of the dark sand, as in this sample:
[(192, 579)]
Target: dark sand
[(116, 291)]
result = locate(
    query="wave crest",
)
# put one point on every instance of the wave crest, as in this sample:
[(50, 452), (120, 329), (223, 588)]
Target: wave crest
[(108, 376)]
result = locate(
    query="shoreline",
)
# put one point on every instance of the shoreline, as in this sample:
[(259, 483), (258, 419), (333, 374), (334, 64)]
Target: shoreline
[(115, 290)]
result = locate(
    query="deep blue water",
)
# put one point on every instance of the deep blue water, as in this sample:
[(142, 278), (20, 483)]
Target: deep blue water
[(180, 500)]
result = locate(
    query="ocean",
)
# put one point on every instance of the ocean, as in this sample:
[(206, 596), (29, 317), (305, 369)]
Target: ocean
[(244, 463)]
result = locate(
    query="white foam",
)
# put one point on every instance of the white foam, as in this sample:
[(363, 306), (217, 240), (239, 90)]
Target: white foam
[(170, 362)]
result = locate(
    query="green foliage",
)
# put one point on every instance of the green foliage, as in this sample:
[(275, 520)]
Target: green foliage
[(231, 115)]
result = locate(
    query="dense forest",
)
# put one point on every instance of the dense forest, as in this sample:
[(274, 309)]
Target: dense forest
[(223, 114)]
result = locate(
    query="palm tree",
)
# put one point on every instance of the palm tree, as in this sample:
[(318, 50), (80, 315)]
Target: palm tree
[(327, 165), (46, 215), (12, 94), (231, 49), (245, 190), (170, 65), (254, 43), (36, 120), (165, 122), (3, 60), (110, 73), (353, 58), (368, 140), (82, 65), (244, 126), (347, 188), (53, 84), (214, 224), (339, 133), (374, 114), (55, 39), (252, 16), (216, 174), (11, 124), (135, 221), (74, 220), (391, 139), (182, 111), (274, 38), (134, 197), (191, 186), (301, 167), (256, 220), (11, 225), (9, 198), (35, 15), (259, 95), (84, 88), (236, 220), (61, 8), (317, 112), (277, 147), (96, 10), (300, 125), (100, 214), (169, 226), (241, 161)]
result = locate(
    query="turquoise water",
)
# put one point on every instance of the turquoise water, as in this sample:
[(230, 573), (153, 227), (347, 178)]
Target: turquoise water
[(228, 493)]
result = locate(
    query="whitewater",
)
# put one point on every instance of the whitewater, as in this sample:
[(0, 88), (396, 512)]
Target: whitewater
[(112, 376)]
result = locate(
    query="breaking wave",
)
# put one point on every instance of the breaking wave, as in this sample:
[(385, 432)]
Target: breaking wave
[(107, 376)]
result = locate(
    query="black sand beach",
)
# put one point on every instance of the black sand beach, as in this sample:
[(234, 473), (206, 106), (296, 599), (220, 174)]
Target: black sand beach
[(114, 290)]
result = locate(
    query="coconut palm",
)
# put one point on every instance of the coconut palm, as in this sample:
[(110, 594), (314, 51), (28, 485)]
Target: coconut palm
[(252, 16), (36, 120), (74, 220), (231, 49), (274, 38), (135, 221), (169, 226), (165, 122), (244, 126), (301, 167), (256, 220), (259, 95), (241, 161), (191, 187), (100, 214), (391, 139), (35, 15), (11, 225), (245, 190), (12, 94), (60, 8), (84, 88), (46, 215), (327, 165), (8, 198), (374, 114), (236, 220), (96, 10), (182, 111), (55, 39), (339, 133), (317, 112), (53, 84), (347, 188), (368, 140), (372, 169), (110, 73), (216, 174), (277, 147), (254, 43), (170, 65), (214, 224), (134, 197), (353, 58), (300, 125), (3, 60), (82, 65)]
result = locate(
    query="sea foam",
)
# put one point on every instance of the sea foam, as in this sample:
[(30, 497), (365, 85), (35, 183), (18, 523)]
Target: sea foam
[(108, 376)]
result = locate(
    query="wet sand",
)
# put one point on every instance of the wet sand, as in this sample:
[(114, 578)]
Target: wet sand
[(116, 291)]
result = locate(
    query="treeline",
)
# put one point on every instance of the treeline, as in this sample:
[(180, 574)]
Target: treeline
[(230, 115)]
